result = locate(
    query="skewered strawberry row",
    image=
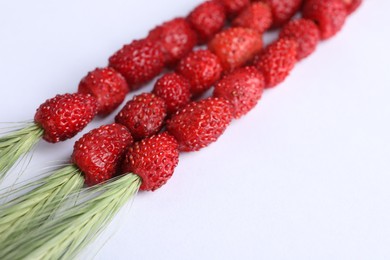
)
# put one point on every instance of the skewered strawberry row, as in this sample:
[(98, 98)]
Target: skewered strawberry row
[(64, 116), (197, 124), (129, 68), (102, 90), (194, 125), (98, 154)]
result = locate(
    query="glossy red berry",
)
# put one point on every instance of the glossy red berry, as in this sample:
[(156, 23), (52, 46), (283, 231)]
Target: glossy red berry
[(305, 33), (174, 89), (153, 159), (242, 88), (257, 16), (283, 10), (329, 15), (64, 116), (200, 123), (277, 60), (236, 46), (207, 19), (107, 86), (139, 62), (234, 7), (352, 5), (99, 153), (202, 69), (175, 39), (143, 115)]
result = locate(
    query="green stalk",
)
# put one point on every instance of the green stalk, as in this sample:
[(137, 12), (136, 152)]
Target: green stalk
[(16, 144), (27, 212), (65, 236)]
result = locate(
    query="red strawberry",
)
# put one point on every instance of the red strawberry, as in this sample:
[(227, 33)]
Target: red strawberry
[(329, 15), (277, 61), (243, 88), (283, 10), (352, 5), (236, 46), (257, 16), (202, 68), (153, 159), (305, 33), (200, 123), (234, 7), (143, 115), (175, 39), (174, 89), (207, 19), (63, 116), (139, 62), (107, 86), (99, 153)]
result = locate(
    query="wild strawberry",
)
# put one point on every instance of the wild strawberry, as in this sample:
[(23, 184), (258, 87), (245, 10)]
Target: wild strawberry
[(202, 68), (243, 88), (236, 46), (234, 7), (143, 115), (283, 10), (153, 159), (139, 62), (63, 116), (200, 123), (207, 19), (329, 15), (257, 16), (174, 38), (277, 61), (99, 153), (107, 86), (306, 35), (352, 5), (174, 89)]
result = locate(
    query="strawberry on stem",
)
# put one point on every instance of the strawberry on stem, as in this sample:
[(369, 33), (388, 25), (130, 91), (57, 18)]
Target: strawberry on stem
[(234, 7), (328, 15), (148, 166), (96, 157), (143, 115), (257, 16), (139, 62), (242, 88), (207, 19), (283, 10), (57, 119), (202, 69), (236, 46), (352, 5), (200, 123), (306, 34), (276, 61), (174, 89), (174, 38), (107, 86), (98, 154), (153, 159), (63, 116)]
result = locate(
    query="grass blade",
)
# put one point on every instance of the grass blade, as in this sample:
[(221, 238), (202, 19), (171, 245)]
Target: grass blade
[(16, 144), (28, 211), (75, 228)]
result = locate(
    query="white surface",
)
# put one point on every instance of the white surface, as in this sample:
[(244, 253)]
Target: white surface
[(303, 176)]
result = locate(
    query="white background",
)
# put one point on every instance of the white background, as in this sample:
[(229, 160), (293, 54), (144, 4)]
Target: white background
[(305, 175)]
